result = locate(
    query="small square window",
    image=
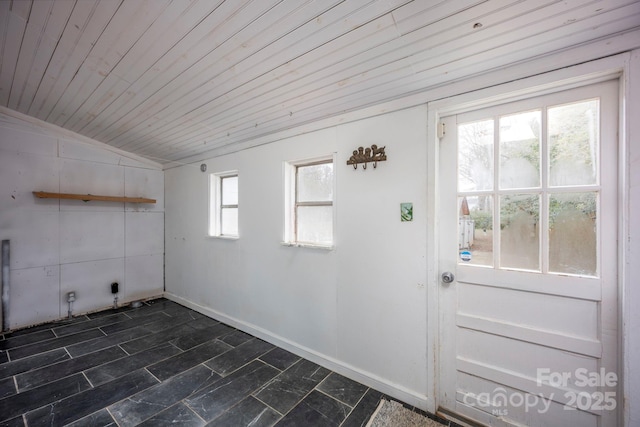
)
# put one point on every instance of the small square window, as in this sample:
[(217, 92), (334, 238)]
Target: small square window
[(310, 203), (223, 208)]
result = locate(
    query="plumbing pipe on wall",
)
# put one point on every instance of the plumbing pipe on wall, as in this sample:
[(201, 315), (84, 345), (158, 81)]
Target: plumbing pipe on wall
[(4, 285)]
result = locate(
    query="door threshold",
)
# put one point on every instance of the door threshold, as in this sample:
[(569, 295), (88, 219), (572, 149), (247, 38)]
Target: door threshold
[(457, 420)]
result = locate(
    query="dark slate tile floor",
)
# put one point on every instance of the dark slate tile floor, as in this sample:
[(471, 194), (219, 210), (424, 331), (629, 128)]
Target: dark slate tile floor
[(164, 364)]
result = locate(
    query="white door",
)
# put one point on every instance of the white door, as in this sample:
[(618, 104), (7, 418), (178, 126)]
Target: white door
[(528, 229)]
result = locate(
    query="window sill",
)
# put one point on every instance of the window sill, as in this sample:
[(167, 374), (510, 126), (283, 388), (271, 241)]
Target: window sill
[(224, 237), (308, 245)]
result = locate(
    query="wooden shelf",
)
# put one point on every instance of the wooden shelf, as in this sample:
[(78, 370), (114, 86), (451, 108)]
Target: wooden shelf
[(87, 197)]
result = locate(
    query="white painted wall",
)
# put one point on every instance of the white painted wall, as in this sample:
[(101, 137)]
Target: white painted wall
[(361, 306), (359, 309), (59, 246)]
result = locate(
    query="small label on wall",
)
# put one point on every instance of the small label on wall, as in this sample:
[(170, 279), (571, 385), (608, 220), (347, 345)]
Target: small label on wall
[(406, 212)]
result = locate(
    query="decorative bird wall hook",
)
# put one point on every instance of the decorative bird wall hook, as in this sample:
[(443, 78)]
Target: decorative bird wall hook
[(366, 155)]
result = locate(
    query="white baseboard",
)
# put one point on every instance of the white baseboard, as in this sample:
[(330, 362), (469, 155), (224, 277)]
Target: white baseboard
[(370, 380)]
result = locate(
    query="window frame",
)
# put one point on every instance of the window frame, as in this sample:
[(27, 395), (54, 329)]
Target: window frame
[(216, 206), (291, 202)]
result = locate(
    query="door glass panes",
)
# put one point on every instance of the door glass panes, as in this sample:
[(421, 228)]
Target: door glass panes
[(315, 183), (475, 156), (574, 143), (572, 233), (533, 208), (520, 232), (520, 150), (475, 230)]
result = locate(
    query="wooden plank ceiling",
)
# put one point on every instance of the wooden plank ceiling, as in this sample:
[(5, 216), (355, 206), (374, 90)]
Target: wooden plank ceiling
[(172, 79)]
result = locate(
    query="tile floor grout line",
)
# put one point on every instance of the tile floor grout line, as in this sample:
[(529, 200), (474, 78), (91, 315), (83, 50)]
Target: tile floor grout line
[(251, 394), (186, 404), (356, 405), (269, 364), (6, 350), (159, 381), (264, 386), (125, 351), (52, 403), (87, 378), (267, 405), (301, 399), (226, 410), (192, 411), (110, 414), (334, 398), (237, 369)]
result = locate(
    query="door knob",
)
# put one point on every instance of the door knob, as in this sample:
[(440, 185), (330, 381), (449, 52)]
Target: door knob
[(447, 277)]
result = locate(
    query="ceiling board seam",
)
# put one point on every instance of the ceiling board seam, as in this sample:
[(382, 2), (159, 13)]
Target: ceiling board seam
[(24, 31), (369, 20), (16, 104), (36, 111), (181, 73), (51, 58), (238, 106), (511, 40), (118, 78), (81, 64), (298, 111), (444, 17), (156, 61), (5, 24), (196, 89), (214, 137), (111, 67), (356, 108), (143, 73), (324, 28)]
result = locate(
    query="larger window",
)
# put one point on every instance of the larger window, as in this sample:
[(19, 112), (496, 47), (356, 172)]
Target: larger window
[(223, 210), (310, 204)]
